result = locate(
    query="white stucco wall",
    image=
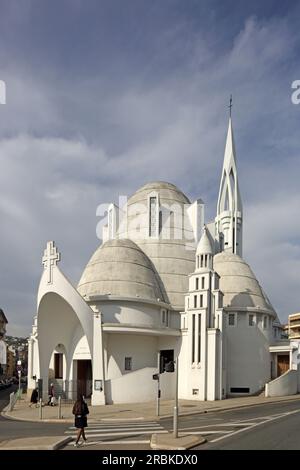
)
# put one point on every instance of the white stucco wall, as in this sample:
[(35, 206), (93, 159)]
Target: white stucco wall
[(138, 386), (82, 349), (133, 313), (142, 349), (248, 356), (286, 384)]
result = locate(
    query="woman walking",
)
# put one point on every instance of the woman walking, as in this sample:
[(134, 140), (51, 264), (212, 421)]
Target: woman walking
[(80, 410)]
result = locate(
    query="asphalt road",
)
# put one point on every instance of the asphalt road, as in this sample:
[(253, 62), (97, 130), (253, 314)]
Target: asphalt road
[(268, 427), (271, 426), (12, 429)]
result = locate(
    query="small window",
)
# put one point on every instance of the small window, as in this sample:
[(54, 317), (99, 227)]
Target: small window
[(197, 283), (202, 282), (195, 391), (165, 317), (251, 320), (195, 301), (201, 300), (231, 319), (220, 300), (265, 322), (128, 363)]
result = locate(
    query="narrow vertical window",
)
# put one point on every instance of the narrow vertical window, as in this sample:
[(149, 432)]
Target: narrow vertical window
[(153, 217), (231, 319), (195, 301), (197, 283), (199, 338), (201, 300), (193, 338), (160, 222), (128, 363), (202, 282)]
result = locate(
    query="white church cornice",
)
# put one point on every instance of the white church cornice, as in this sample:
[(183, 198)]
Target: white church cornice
[(115, 298)]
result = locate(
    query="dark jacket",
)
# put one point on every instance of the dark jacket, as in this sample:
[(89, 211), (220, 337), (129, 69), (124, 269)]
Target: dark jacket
[(80, 408)]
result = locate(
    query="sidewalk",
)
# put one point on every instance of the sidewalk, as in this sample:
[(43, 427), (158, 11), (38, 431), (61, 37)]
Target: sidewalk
[(137, 411)]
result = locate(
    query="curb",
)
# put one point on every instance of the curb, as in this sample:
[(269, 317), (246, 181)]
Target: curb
[(61, 443), (168, 442), (57, 445), (54, 420), (153, 417)]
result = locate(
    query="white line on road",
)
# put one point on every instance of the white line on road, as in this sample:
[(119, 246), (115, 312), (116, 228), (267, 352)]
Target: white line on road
[(122, 419), (104, 434), (153, 426), (256, 424), (111, 442), (204, 433)]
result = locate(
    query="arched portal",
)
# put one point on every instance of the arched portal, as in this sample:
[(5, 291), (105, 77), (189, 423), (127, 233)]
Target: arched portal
[(60, 332)]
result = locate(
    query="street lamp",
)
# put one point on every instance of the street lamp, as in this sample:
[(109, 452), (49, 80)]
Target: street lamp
[(19, 367)]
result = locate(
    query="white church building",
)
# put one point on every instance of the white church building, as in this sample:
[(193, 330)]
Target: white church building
[(163, 286)]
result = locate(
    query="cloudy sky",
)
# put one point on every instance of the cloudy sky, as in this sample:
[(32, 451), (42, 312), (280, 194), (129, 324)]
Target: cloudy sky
[(103, 96)]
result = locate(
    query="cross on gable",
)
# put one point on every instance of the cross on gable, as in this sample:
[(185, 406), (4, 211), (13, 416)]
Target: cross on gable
[(50, 259)]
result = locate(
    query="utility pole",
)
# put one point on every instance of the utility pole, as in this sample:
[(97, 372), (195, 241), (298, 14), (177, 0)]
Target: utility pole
[(158, 397), (19, 365), (175, 417)]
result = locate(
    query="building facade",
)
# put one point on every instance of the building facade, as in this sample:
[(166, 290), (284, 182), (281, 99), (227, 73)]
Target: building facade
[(163, 286)]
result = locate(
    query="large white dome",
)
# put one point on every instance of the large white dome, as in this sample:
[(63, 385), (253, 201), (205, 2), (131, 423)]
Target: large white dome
[(238, 283), (173, 256), (120, 268)]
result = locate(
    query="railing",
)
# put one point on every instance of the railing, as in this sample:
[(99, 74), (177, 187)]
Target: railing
[(69, 390)]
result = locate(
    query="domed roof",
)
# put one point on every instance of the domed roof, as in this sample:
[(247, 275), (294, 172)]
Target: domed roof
[(238, 283), (166, 191), (120, 268), (204, 245), (172, 252)]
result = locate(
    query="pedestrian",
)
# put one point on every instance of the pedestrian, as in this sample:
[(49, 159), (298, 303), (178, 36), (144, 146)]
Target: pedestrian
[(34, 397), (80, 410), (51, 395)]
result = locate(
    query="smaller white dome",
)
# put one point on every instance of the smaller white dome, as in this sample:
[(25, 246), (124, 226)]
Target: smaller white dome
[(204, 246)]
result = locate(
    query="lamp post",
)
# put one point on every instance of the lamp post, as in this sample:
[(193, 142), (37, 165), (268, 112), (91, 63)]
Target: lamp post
[(175, 419), (19, 364), (156, 377)]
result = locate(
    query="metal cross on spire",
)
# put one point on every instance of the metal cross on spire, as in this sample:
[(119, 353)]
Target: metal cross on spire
[(50, 259), (230, 105)]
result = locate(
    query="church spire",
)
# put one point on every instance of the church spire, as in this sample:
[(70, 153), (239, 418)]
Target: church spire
[(229, 207)]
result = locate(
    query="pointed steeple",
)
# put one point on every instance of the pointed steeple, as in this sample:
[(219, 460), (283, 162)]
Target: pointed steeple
[(229, 207), (204, 252)]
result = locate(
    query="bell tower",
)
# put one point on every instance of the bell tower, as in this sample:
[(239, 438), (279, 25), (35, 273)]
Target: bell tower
[(229, 219)]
